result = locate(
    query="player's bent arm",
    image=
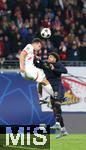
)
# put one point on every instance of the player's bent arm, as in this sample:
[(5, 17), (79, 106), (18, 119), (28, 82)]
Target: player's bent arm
[(21, 61)]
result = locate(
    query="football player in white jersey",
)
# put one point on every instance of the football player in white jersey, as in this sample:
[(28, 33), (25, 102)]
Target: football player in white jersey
[(28, 69)]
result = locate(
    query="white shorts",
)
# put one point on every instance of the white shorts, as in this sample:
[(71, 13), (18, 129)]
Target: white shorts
[(34, 73)]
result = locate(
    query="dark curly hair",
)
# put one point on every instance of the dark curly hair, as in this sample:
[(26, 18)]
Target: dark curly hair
[(55, 55)]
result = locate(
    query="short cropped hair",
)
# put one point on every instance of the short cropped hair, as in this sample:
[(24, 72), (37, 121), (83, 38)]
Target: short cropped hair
[(36, 40)]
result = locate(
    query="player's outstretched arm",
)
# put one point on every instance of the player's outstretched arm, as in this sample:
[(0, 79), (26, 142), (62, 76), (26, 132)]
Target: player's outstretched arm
[(21, 61)]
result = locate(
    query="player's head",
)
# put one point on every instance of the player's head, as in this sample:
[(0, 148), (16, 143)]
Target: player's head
[(37, 44), (53, 57)]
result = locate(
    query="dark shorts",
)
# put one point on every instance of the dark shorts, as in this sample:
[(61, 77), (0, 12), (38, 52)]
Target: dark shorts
[(58, 91)]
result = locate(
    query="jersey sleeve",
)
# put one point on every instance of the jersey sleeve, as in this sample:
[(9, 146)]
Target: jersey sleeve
[(28, 49)]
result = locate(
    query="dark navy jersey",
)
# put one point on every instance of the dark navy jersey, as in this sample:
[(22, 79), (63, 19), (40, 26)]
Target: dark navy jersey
[(54, 76)]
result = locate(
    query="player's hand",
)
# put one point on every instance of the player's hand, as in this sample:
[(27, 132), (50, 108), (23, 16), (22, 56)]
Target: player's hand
[(52, 67), (46, 65), (37, 58)]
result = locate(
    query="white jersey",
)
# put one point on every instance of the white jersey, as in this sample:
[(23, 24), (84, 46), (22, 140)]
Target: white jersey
[(30, 55), (31, 71)]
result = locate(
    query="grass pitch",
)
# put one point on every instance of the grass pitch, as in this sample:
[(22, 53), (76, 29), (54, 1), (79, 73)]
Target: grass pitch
[(69, 142)]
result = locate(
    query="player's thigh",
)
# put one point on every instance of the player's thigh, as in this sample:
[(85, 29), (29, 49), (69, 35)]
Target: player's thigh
[(41, 75), (35, 73), (31, 72)]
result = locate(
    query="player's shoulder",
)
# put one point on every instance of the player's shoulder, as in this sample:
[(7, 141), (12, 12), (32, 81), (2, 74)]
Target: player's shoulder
[(59, 63), (28, 47)]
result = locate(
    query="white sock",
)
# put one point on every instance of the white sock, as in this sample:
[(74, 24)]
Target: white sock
[(22, 74), (48, 89), (63, 129), (45, 94)]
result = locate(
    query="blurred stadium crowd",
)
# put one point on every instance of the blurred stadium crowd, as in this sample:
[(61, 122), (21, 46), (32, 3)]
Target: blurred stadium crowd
[(22, 20)]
